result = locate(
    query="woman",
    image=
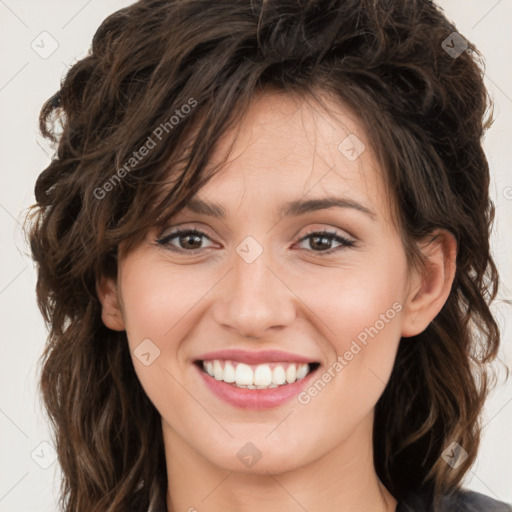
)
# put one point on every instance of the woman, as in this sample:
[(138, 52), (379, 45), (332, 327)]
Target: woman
[(323, 343)]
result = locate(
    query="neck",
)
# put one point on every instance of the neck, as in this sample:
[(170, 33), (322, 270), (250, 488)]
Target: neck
[(342, 480)]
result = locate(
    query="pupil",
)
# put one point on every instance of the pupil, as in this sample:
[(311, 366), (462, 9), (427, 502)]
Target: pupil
[(325, 241), (189, 239)]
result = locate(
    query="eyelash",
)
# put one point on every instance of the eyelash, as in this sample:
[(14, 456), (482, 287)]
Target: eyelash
[(331, 235)]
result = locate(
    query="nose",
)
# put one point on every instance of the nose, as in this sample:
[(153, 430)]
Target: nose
[(254, 299)]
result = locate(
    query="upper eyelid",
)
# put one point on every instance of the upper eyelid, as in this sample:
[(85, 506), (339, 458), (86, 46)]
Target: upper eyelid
[(176, 229), (191, 227)]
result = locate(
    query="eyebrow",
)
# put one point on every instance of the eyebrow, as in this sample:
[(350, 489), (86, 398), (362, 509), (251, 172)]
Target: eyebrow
[(293, 208)]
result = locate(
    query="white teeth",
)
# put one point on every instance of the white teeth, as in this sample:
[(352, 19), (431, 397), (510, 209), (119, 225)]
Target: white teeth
[(302, 371), (229, 373), (278, 375), (291, 374), (262, 376), (218, 372), (243, 375)]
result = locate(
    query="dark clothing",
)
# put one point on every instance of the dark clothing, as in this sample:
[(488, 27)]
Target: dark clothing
[(460, 501)]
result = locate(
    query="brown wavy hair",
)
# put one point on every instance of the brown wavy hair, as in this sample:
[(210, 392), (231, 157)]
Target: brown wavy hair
[(425, 112)]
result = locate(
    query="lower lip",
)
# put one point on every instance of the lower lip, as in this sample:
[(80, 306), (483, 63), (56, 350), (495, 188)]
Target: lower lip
[(255, 398)]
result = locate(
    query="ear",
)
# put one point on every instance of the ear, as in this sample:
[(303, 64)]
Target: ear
[(431, 286), (111, 312)]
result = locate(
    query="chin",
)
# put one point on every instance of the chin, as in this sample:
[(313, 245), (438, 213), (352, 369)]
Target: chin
[(256, 458)]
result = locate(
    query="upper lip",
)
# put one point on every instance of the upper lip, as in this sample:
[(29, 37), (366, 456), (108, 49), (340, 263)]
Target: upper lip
[(255, 357)]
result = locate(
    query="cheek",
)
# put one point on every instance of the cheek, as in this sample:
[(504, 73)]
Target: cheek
[(368, 316), (156, 301), (160, 313), (361, 301), (158, 306), (359, 311), (361, 355), (363, 339)]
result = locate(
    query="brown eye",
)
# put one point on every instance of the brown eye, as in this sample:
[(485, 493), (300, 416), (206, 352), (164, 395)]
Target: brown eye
[(188, 240), (321, 241)]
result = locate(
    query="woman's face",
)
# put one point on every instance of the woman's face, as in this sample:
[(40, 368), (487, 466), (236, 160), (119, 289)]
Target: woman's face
[(259, 281)]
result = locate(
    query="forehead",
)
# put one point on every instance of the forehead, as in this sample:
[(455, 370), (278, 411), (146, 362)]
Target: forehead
[(288, 148)]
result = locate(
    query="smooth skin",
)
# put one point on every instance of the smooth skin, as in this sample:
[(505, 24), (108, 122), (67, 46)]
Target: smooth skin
[(309, 296)]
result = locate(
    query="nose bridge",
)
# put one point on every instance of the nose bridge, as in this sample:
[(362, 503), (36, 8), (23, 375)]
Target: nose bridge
[(254, 299)]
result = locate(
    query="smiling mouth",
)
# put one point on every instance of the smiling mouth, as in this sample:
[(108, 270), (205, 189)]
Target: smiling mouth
[(260, 376)]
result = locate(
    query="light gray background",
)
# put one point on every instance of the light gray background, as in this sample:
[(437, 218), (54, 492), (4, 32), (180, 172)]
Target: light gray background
[(27, 80)]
